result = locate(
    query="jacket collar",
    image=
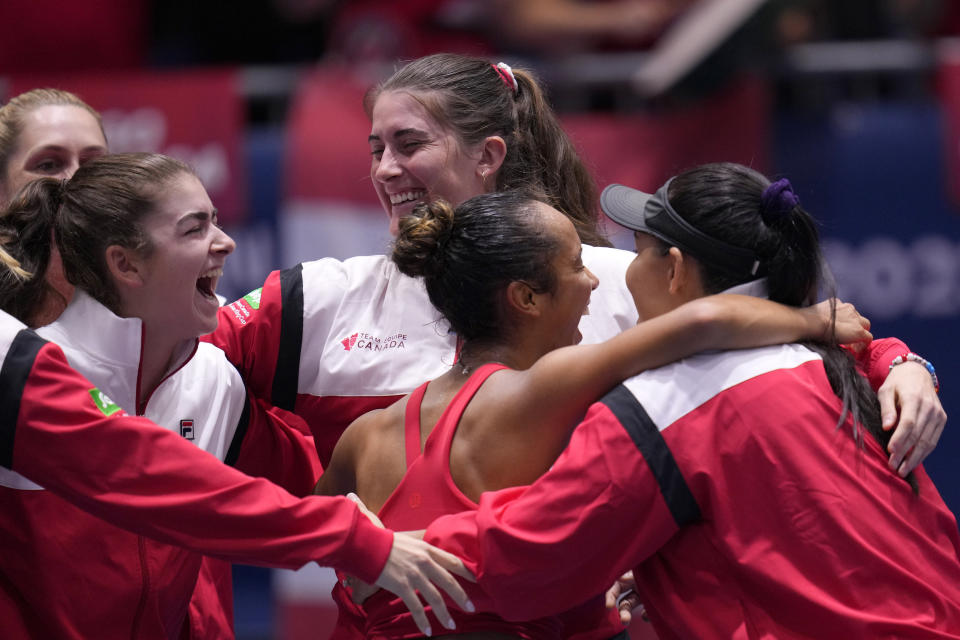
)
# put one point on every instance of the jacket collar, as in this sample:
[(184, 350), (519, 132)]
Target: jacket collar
[(108, 341), (89, 326), (756, 288)]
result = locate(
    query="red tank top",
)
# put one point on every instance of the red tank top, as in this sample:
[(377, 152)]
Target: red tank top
[(426, 492)]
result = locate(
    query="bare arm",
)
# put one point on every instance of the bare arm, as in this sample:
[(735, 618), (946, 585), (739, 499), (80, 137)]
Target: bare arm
[(563, 383), (340, 476)]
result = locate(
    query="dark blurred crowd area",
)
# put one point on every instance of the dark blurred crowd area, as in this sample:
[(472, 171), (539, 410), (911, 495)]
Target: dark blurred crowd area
[(72, 35)]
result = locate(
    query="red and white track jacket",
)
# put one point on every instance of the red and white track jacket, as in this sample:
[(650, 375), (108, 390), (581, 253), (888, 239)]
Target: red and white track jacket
[(71, 572), (331, 340), (59, 430), (744, 511), (334, 339)]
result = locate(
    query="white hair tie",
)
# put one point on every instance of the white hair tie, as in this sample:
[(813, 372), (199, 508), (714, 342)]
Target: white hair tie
[(506, 74)]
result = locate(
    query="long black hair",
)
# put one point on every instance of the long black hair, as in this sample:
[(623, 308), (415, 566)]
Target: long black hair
[(735, 204)]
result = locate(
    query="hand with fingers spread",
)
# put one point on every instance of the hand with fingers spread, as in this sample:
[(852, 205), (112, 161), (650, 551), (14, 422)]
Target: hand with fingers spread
[(909, 403), (624, 597), (415, 566)]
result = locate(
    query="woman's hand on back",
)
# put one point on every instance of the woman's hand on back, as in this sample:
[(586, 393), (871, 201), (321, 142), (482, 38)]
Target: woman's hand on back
[(415, 566), (908, 399), (909, 403)]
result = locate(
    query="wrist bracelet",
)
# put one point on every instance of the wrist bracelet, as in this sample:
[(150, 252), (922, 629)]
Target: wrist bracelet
[(912, 357)]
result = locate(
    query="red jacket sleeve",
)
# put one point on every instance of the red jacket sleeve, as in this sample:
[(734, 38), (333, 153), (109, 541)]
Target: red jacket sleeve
[(251, 332), (874, 361), (538, 551), (148, 480), (275, 446)]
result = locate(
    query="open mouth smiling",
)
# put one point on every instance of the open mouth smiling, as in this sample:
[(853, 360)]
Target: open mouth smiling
[(406, 196), (207, 282)]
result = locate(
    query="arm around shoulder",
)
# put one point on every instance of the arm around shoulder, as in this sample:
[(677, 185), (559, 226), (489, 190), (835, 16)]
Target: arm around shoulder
[(204, 502), (522, 541)]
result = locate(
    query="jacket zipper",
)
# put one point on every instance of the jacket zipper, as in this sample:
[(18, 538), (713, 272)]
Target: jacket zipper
[(141, 543), (144, 588)]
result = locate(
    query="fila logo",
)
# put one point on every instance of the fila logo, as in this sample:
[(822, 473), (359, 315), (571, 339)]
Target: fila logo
[(349, 342), (186, 429)]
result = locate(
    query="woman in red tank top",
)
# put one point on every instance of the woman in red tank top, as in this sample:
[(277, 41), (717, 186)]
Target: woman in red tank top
[(505, 270)]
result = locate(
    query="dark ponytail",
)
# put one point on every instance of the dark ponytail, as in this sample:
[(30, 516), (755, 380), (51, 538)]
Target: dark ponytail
[(542, 147), (467, 256), (741, 207), (26, 233)]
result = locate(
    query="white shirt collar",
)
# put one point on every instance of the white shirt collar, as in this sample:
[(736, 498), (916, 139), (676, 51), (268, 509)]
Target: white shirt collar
[(756, 288)]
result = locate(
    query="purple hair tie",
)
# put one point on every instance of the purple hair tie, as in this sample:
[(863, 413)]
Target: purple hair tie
[(777, 200)]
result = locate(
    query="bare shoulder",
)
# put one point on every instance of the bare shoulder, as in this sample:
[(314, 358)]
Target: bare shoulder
[(379, 435), (368, 432), (371, 455), (340, 475), (505, 437), (522, 407), (503, 403)]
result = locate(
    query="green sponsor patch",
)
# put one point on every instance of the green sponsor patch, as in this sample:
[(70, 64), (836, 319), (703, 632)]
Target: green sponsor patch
[(106, 405), (253, 298)]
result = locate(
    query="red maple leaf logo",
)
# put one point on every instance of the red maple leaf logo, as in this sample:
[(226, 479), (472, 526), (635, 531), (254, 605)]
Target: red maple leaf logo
[(349, 342)]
